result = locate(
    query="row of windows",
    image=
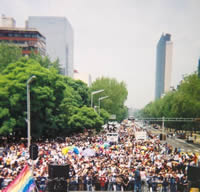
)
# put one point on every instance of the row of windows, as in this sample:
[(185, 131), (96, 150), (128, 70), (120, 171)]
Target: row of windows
[(34, 49), (29, 48), (14, 41), (26, 35), (23, 42)]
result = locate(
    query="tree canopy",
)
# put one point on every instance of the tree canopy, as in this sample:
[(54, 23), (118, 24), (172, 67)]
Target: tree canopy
[(8, 54), (55, 99), (60, 105), (117, 94), (183, 102)]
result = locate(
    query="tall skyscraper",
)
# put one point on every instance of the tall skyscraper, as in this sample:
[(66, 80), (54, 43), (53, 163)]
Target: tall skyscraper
[(59, 40), (163, 65)]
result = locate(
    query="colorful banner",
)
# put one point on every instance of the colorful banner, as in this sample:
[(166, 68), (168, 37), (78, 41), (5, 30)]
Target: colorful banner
[(24, 182)]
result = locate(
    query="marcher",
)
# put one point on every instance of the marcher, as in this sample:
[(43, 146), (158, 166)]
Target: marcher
[(110, 167)]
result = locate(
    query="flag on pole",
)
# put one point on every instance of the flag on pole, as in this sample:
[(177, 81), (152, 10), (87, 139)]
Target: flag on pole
[(24, 182)]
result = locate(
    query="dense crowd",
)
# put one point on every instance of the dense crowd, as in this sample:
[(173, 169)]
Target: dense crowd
[(128, 165)]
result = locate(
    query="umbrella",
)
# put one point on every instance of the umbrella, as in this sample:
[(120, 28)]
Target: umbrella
[(76, 151), (106, 145), (89, 152), (65, 150)]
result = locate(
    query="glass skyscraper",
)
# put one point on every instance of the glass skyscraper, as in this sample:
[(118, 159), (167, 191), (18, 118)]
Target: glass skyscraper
[(163, 65), (59, 40)]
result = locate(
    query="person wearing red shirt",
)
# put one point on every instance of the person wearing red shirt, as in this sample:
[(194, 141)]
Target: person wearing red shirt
[(103, 181)]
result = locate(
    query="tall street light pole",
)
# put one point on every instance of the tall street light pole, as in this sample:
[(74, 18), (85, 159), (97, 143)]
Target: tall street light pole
[(93, 93), (101, 98), (29, 109)]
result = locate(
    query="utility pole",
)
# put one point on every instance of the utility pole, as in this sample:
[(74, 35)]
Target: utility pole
[(29, 110), (163, 125)]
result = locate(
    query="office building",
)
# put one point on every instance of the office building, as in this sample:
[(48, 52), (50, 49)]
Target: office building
[(27, 39), (163, 65), (59, 40)]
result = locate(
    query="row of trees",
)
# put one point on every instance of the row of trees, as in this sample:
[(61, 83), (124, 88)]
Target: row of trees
[(183, 102), (60, 105)]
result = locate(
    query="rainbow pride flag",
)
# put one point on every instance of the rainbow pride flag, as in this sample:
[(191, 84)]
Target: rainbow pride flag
[(24, 182)]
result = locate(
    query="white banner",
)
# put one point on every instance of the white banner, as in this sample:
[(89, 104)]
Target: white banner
[(140, 135), (112, 137)]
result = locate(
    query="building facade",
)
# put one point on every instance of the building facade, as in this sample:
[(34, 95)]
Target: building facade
[(59, 40), (27, 39), (163, 65)]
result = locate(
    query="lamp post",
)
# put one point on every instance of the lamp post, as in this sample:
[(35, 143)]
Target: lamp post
[(101, 98), (29, 109), (93, 93)]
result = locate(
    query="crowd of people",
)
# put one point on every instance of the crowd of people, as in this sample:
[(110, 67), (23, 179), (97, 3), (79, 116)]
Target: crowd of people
[(128, 165)]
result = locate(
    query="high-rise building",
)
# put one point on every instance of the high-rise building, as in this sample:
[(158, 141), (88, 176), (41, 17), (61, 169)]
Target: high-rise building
[(27, 39), (163, 65), (59, 40)]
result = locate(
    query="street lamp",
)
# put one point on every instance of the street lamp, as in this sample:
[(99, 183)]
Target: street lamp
[(93, 93), (29, 109), (101, 98)]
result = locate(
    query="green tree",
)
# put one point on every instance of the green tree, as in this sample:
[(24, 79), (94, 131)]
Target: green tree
[(81, 88), (45, 61), (104, 115), (8, 53), (85, 118), (183, 102), (53, 101), (117, 93)]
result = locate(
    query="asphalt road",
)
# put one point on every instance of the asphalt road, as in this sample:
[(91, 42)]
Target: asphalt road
[(183, 145), (180, 143)]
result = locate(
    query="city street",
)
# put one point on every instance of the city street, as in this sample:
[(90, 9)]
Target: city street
[(179, 143), (183, 145)]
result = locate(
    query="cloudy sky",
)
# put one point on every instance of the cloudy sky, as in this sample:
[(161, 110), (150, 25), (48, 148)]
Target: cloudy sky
[(118, 38)]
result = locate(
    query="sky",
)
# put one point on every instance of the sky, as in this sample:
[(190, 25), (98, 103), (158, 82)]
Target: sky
[(118, 38)]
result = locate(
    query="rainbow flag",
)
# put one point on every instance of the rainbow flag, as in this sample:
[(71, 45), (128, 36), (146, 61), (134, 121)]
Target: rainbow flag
[(24, 182)]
